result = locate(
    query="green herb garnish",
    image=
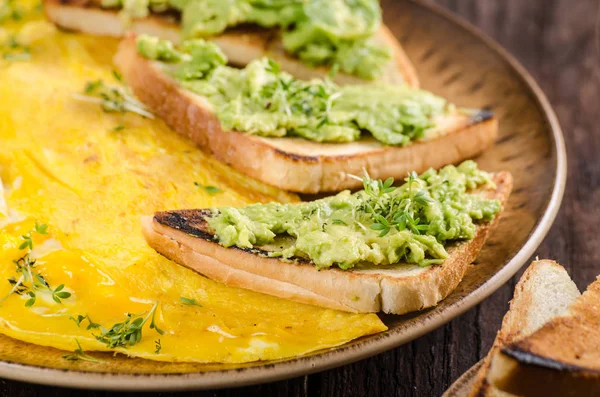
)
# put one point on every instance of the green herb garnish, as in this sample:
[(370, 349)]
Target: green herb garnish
[(208, 188), (80, 318), (13, 51), (27, 240), (10, 10), (79, 354), (384, 224), (117, 76), (402, 212), (118, 128), (113, 98), (189, 301), (30, 281), (158, 346), (58, 293), (129, 332)]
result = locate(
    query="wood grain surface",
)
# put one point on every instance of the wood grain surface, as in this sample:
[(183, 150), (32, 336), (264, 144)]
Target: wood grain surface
[(556, 40)]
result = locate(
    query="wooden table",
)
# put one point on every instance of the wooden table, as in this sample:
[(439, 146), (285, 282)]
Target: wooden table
[(558, 42)]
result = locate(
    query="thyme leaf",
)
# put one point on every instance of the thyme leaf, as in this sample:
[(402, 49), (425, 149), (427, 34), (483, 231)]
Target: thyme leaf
[(189, 301), (80, 318), (208, 188), (79, 354), (129, 332)]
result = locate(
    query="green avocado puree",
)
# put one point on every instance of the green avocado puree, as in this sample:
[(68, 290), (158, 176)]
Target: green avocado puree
[(320, 32), (380, 225), (262, 100)]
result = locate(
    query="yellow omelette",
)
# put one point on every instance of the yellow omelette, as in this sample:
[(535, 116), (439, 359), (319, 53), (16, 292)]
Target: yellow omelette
[(64, 163)]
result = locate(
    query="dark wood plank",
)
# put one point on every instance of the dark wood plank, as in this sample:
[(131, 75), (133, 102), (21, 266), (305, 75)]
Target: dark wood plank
[(556, 41)]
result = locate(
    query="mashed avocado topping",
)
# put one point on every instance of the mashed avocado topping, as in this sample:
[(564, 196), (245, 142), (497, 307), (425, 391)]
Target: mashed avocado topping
[(380, 225), (261, 99), (320, 32)]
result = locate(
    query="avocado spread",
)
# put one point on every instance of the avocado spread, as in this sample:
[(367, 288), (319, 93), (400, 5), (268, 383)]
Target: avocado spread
[(263, 100), (320, 32), (380, 225)]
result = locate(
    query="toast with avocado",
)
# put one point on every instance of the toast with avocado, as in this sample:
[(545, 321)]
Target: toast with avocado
[(384, 248), (562, 358), (306, 38), (544, 291), (303, 136)]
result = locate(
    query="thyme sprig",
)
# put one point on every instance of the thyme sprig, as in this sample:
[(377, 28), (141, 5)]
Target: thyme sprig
[(80, 318), (27, 239), (113, 98), (79, 354), (29, 280), (129, 332)]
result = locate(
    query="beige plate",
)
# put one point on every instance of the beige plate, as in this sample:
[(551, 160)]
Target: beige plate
[(462, 386), (454, 60)]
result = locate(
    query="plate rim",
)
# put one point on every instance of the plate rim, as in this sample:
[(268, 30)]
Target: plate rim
[(343, 355), (459, 387)]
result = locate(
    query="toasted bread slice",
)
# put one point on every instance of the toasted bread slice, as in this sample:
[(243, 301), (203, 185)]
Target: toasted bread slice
[(184, 236), (544, 291), (240, 45), (298, 164), (562, 358)]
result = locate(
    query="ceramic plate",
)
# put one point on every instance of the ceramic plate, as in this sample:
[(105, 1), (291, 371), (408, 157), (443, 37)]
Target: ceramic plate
[(462, 386), (458, 62)]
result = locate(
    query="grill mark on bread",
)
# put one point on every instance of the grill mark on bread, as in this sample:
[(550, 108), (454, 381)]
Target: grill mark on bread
[(522, 317), (520, 354), (398, 288), (193, 222)]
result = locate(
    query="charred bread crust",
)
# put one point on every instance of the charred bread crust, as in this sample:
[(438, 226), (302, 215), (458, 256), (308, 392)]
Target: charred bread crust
[(561, 358), (183, 236), (293, 163)]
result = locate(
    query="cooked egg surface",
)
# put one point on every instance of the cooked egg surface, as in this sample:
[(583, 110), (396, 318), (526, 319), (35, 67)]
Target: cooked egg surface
[(64, 163)]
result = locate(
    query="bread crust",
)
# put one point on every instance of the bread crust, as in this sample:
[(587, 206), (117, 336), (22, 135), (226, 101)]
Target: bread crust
[(183, 236), (518, 321), (295, 164), (240, 45), (562, 358)]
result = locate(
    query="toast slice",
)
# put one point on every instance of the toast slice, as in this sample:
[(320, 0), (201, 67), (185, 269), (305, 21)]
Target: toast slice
[(562, 358), (298, 164), (544, 291), (184, 237), (240, 45)]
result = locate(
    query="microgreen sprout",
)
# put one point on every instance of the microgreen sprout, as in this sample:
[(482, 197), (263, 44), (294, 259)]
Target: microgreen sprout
[(113, 98)]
